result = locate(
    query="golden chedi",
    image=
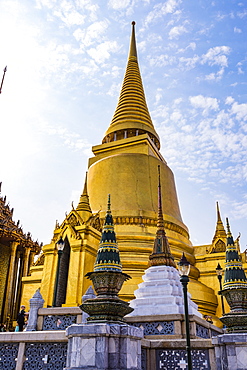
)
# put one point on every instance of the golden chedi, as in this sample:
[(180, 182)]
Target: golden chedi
[(124, 165)]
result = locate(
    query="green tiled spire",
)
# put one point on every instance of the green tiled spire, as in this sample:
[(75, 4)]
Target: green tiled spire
[(234, 273), (108, 258)]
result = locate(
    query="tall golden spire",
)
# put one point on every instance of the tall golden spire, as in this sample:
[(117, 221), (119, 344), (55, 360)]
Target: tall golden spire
[(220, 232), (161, 254), (83, 205), (131, 116)]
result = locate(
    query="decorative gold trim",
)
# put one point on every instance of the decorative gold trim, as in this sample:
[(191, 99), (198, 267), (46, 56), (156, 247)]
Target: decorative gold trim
[(145, 221)]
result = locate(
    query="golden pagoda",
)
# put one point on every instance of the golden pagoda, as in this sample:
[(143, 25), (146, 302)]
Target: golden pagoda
[(125, 165)]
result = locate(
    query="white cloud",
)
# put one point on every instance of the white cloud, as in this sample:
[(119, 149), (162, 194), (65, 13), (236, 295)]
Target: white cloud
[(176, 116), (240, 110), (69, 139), (118, 4), (161, 60), (114, 90), (177, 101), (102, 51), (192, 46), (94, 32), (216, 55), (176, 31), (68, 12), (114, 72), (206, 103), (162, 9), (229, 100), (223, 118), (215, 76), (237, 30), (239, 209), (158, 95), (69, 15), (189, 62), (141, 46), (242, 14)]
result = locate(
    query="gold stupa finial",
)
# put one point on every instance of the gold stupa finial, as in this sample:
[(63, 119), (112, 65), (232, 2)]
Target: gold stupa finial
[(131, 117), (133, 50), (218, 212)]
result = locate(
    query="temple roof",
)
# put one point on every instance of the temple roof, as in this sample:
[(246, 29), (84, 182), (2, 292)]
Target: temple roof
[(108, 258), (234, 274), (131, 115), (161, 254)]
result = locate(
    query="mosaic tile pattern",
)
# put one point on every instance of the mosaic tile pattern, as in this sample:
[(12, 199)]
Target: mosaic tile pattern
[(45, 356)]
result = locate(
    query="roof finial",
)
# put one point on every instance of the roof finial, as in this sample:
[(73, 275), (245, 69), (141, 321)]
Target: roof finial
[(161, 254), (4, 71), (160, 223), (218, 211), (229, 234), (133, 51), (84, 205), (109, 204), (220, 233)]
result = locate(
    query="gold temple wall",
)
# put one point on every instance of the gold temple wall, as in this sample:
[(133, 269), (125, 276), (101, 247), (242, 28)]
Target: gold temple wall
[(4, 265)]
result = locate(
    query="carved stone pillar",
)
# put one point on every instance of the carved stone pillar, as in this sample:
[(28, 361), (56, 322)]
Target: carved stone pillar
[(26, 261), (36, 302), (10, 283)]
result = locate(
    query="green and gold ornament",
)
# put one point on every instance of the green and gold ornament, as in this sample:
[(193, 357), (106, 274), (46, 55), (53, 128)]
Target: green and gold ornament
[(108, 258), (234, 273)]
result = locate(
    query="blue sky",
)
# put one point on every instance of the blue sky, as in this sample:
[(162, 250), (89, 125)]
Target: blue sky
[(66, 61)]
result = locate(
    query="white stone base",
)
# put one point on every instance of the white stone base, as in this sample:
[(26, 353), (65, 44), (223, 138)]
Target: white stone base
[(161, 293), (231, 351), (103, 346)]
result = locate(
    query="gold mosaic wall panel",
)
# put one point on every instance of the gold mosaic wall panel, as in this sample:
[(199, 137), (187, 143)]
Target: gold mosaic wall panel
[(4, 264)]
